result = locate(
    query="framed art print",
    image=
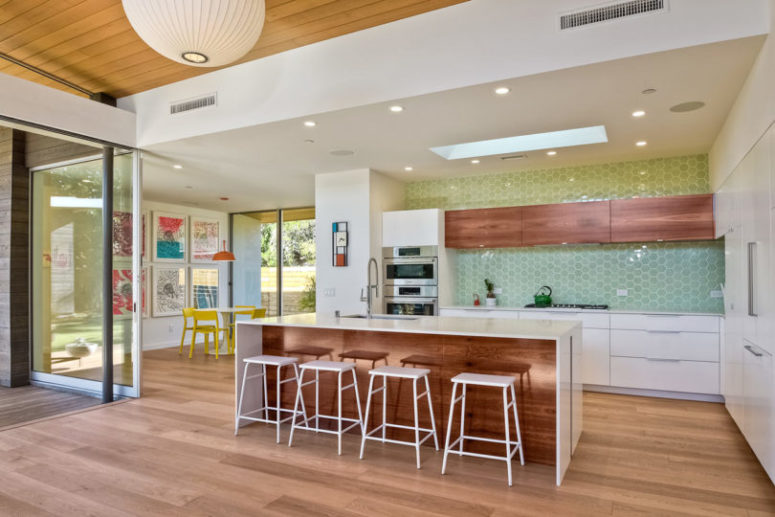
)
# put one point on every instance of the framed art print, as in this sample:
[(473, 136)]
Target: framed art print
[(205, 237), (122, 235), (169, 291), (169, 237), (122, 292), (204, 287)]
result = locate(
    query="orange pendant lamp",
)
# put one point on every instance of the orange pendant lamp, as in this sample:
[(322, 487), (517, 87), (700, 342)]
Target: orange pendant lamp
[(224, 254)]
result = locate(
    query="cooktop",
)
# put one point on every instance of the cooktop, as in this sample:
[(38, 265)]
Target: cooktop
[(569, 306)]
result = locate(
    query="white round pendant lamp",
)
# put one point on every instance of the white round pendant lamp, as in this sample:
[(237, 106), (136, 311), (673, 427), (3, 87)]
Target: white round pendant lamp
[(205, 33)]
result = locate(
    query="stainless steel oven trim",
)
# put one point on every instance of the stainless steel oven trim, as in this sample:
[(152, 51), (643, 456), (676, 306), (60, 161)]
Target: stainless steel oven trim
[(411, 300), (426, 291), (425, 252), (410, 281)]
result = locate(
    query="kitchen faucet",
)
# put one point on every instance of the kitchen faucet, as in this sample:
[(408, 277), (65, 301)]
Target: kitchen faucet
[(369, 285)]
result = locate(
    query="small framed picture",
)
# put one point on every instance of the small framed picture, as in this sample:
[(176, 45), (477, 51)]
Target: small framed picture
[(205, 237), (169, 290), (204, 287), (169, 237)]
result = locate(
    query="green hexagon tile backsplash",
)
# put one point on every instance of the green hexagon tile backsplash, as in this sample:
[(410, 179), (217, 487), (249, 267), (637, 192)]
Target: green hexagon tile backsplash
[(658, 276)]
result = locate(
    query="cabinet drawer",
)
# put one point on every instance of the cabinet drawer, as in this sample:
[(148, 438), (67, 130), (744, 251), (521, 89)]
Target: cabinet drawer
[(479, 313), (677, 322), (651, 374), (687, 346), (595, 357), (589, 320)]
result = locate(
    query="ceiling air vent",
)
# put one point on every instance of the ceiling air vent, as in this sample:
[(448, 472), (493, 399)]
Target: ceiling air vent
[(610, 12), (193, 104)]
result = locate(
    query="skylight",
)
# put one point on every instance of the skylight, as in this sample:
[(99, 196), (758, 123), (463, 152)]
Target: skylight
[(522, 143)]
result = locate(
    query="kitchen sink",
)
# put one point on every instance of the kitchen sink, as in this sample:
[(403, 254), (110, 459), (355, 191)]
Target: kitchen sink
[(380, 317)]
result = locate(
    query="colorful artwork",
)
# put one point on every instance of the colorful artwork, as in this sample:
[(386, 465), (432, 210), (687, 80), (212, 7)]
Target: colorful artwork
[(205, 234), (145, 235), (122, 234), (122, 293), (169, 236), (169, 291), (204, 287)]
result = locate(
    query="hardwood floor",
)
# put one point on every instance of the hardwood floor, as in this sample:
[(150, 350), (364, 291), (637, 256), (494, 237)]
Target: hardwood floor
[(173, 453), (28, 403)]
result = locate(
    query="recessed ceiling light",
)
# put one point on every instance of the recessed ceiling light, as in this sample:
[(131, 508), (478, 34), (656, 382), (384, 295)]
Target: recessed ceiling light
[(408, 168), (641, 143), (189, 187), (551, 153), (310, 123), (474, 161), (309, 141), (502, 90), (649, 91), (524, 143), (638, 113), (687, 106), (177, 166), (396, 109)]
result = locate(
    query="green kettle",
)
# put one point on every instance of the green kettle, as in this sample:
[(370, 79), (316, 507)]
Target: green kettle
[(543, 298)]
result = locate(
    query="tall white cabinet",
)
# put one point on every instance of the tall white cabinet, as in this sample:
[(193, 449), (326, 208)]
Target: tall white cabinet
[(746, 218)]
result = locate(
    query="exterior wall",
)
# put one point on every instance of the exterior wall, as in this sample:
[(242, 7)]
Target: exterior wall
[(659, 276), (14, 260)]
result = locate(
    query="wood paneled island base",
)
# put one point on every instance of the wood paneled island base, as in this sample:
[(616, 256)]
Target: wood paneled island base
[(532, 362)]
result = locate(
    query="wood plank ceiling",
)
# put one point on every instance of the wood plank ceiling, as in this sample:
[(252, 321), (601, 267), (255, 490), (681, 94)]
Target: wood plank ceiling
[(92, 44)]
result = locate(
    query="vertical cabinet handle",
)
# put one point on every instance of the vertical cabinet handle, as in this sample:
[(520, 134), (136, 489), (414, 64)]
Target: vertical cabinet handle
[(754, 352), (752, 279)]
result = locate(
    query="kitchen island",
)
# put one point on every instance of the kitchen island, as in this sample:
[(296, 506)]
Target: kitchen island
[(543, 356)]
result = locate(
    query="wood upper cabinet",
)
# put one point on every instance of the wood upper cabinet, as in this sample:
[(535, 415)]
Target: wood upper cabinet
[(484, 228), (675, 218), (566, 223)]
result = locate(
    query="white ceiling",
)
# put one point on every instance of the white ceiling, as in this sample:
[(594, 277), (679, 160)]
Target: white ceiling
[(272, 166)]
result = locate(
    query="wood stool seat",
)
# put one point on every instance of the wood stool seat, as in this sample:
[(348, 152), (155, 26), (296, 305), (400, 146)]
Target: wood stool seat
[(422, 360), (315, 351), (366, 355)]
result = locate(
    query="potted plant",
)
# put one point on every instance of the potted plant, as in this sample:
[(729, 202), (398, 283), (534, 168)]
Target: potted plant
[(490, 302)]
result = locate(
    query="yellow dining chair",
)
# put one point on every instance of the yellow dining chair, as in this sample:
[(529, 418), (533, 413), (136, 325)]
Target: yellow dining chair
[(258, 313), (206, 322), (188, 313), (232, 329)]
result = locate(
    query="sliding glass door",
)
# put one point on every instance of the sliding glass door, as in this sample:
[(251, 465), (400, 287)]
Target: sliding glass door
[(275, 260), (67, 275)]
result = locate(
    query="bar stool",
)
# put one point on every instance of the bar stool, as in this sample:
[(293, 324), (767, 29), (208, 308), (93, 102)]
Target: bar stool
[(327, 366), (496, 381), (414, 374), (262, 361), (366, 355)]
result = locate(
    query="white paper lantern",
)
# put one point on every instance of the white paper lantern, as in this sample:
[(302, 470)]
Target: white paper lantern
[(198, 32)]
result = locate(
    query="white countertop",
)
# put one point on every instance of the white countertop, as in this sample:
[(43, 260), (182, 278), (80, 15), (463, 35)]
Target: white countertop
[(485, 327), (575, 311)]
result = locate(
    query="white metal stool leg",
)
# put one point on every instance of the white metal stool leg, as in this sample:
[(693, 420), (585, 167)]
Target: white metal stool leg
[(416, 421), (430, 410), (365, 423), (384, 406), (462, 417), (241, 396), (317, 400), (339, 411), (516, 423), (507, 425), (357, 399), (296, 407), (449, 428)]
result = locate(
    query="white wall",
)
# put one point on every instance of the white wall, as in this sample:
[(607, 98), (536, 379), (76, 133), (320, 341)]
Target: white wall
[(166, 331), (357, 197), (752, 113), (31, 102), (466, 44)]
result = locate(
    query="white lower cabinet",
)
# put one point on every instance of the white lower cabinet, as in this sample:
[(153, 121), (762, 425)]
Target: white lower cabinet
[(596, 357), (665, 374), (758, 425)]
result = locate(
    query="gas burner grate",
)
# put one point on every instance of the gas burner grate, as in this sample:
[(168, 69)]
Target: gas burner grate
[(570, 306)]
